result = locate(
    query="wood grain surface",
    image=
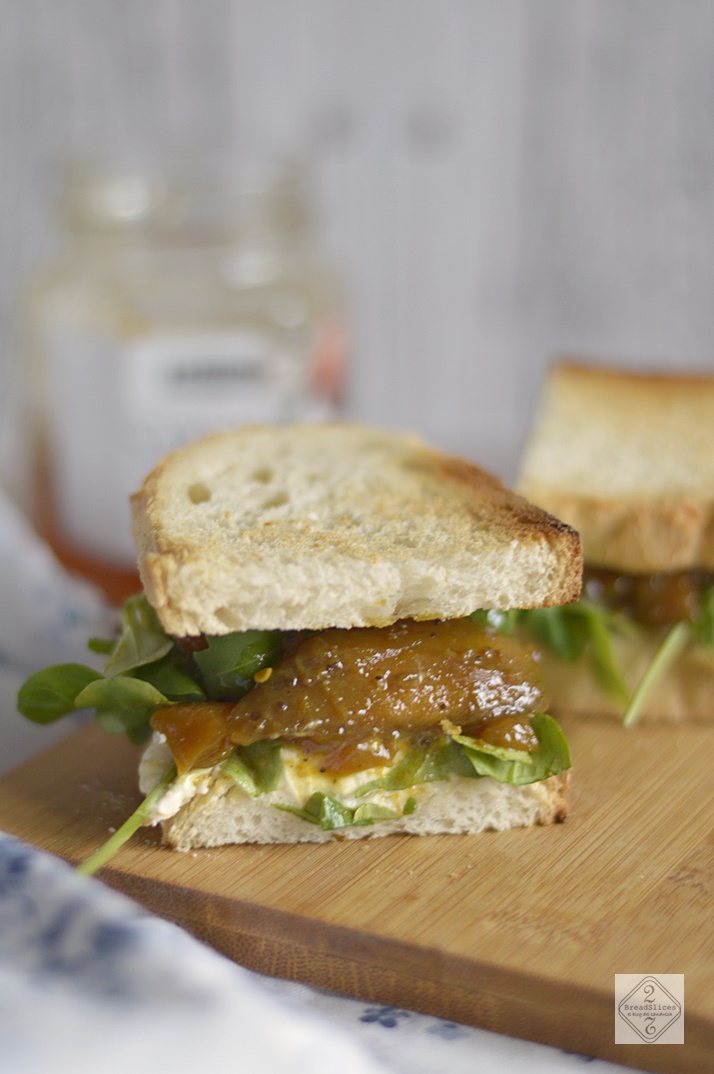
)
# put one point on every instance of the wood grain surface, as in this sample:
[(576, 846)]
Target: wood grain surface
[(519, 932)]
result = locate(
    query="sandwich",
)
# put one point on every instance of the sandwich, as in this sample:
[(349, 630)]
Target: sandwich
[(311, 656), (627, 458)]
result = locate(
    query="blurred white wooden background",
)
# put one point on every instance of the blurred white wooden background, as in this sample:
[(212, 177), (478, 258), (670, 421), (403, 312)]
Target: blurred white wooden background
[(501, 180)]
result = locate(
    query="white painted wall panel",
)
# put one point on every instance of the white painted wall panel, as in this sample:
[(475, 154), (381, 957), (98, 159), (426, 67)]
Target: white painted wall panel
[(500, 180)]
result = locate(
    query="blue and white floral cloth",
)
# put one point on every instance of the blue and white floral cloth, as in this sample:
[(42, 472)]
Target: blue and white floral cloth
[(90, 983)]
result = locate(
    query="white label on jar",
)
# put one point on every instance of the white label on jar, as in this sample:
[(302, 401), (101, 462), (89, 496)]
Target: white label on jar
[(116, 408)]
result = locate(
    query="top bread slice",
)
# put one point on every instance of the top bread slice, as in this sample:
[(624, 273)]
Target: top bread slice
[(313, 526), (628, 460)]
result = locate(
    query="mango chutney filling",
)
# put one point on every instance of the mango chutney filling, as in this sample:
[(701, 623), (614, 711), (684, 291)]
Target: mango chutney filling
[(351, 699), (657, 600)]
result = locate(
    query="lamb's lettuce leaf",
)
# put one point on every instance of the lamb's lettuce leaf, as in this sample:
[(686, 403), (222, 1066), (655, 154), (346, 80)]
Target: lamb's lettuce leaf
[(674, 643), (703, 619), (421, 766), (230, 661), (518, 766), (700, 628), (171, 677), (505, 622), (369, 812), (586, 628), (141, 640), (145, 668), (329, 813), (138, 818), (255, 768), (122, 704), (324, 810), (50, 693)]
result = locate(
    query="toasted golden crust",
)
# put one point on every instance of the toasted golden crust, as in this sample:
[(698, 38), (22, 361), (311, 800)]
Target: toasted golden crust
[(295, 527), (627, 459)]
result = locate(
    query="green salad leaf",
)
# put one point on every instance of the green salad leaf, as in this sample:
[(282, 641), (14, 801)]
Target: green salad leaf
[(122, 704), (671, 648), (700, 628), (230, 661), (141, 640), (144, 651), (703, 619), (102, 646), (49, 694), (372, 811), (255, 768), (324, 810), (560, 629), (131, 825), (171, 677), (329, 813), (505, 622), (516, 766), (572, 630), (406, 773), (421, 766), (587, 627), (145, 668)]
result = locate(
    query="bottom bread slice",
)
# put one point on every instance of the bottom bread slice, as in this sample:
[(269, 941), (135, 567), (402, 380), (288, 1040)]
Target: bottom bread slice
[(224, 814)]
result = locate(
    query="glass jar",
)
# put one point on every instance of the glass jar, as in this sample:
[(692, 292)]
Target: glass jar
[(182, 302)]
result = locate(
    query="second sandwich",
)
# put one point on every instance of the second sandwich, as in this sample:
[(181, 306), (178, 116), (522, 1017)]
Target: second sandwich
[(627, 458)]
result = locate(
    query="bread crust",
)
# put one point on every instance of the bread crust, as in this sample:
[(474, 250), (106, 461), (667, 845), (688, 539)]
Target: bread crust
[(307, 527), (627, 459)]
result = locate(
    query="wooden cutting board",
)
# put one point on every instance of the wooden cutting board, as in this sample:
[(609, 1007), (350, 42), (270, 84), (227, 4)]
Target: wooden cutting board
[(519, 932)]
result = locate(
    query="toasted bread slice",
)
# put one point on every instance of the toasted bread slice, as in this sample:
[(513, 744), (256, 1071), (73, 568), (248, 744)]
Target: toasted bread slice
[(308, 527), (627, 459)]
